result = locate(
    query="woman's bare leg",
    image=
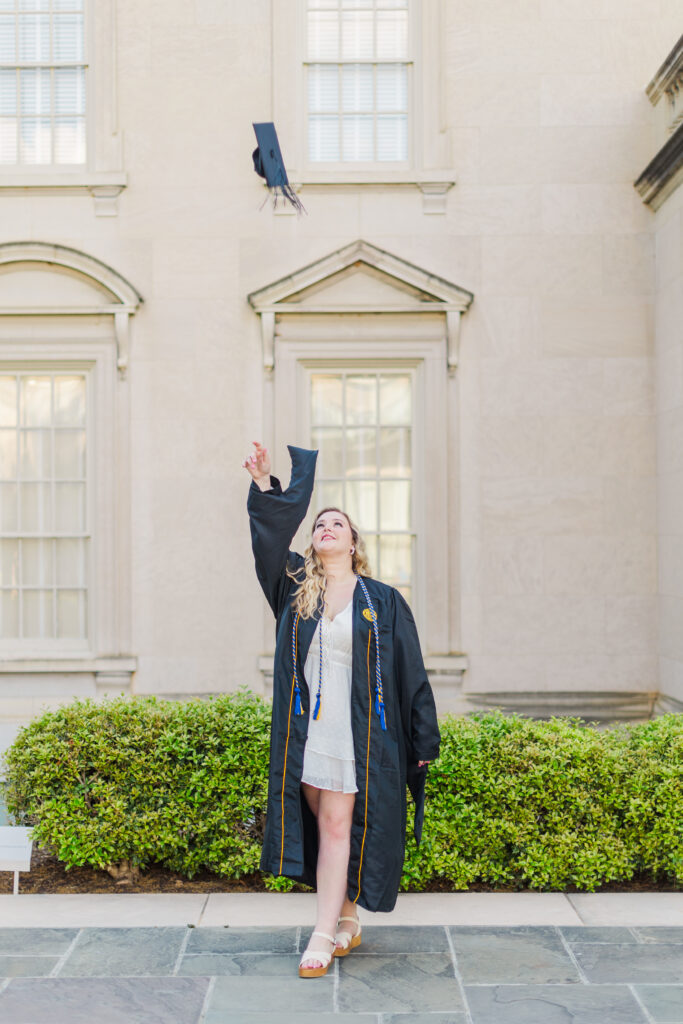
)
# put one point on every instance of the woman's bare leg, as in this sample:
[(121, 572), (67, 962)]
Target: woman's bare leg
[(334, 812)]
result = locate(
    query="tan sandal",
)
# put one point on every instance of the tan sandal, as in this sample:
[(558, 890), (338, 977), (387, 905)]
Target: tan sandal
[(346, 941), (317, 954)]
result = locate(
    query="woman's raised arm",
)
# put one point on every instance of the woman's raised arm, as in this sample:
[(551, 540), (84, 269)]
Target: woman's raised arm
[(275, 516)]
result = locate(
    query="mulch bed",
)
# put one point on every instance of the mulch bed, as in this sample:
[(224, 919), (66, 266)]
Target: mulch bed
[(48, 875)]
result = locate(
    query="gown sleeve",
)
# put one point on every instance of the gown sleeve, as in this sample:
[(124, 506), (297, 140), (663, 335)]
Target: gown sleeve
[(418, 710), (274, 517)]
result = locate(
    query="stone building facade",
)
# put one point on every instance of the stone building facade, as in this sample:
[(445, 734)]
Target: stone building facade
[(477, 321)]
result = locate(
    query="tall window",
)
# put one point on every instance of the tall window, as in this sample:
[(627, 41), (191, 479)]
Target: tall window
[(42, 82), (362, 425), (357, 80), (43, 522)]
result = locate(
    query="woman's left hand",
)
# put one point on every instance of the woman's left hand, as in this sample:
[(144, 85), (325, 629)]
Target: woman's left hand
[(421, 764)]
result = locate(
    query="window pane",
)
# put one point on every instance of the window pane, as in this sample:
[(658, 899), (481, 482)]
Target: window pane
[(9, 520), (35, 91), (357, 86), (71, 570), (69, 454), (67, 5), (9, 563), (323, 35), (37, 563), (69, 401), (69, 90), (395, 400), (8, 454), (361, 457), (35, 141), (361, 504), (370, 541), (326, 400), (329, 495), (35, 462), (69, 140), (34, 5), (395, 559), (36, 508), (394, 498), (323, 138), (323, 88), (70, 508), (392, 87), (8, 141), (8, 51), (357, 33), (34, 37), (360, 400), (394, 451), (68, 37), (8, 92), (9, 613), (36, 401), (330, 442), (70, 611), (392, 34), (392, 137), (37, 606), (357, 138)]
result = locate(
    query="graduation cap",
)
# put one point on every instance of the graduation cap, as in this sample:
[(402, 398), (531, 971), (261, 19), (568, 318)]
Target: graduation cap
[(268, 163)]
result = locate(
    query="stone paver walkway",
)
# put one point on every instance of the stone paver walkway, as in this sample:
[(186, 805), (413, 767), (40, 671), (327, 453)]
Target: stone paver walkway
[(431, 974)]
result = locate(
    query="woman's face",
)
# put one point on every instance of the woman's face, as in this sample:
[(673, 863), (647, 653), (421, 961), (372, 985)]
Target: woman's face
[(332, 534)]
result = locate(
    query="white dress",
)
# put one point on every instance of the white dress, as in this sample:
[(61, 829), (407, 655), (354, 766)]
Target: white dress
[(329, 755)]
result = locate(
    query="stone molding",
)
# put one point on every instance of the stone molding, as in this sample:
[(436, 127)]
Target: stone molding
[(438, 295), (592, 705), (664, 173)]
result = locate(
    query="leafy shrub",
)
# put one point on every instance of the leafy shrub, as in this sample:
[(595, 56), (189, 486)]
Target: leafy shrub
[(126, 782), (511, 802), (525, 804)]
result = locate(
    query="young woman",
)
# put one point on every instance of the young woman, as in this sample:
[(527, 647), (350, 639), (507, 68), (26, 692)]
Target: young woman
[(353, 715)]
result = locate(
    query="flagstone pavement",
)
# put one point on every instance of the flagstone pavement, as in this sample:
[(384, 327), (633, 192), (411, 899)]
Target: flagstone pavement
[(415, 974)]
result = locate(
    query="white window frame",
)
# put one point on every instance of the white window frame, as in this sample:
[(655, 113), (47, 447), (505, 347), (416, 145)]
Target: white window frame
[(102, 175), (46, 65), (430, 162), (303, 365), (92, 338), (312, 168), (17, 647)]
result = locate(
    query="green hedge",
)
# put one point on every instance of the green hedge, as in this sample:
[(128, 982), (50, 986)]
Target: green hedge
[(511, 802)]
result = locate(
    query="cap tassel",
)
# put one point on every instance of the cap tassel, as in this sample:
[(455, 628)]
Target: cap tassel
[(316, 710), (297, 702)]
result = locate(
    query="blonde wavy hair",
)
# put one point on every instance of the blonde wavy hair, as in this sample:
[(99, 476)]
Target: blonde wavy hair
[(311, 576)]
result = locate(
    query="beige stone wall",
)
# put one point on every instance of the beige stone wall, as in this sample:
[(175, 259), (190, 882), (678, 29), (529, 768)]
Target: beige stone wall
[(554, 482), (669, 320)]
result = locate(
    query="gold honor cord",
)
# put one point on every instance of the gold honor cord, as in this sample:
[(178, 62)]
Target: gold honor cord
[(367, 765)]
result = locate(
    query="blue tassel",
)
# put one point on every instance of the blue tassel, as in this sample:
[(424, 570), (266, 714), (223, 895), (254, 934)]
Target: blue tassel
[(297, 704), (316, 710), (381, 717)]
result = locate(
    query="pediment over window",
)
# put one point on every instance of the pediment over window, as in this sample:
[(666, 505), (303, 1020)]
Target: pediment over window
[(40, 278), (359, 278)]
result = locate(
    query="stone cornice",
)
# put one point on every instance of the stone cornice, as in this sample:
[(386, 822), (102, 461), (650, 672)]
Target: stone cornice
[(664, 173), (669, 77)]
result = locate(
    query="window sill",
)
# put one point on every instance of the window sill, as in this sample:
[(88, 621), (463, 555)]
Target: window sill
[(434, 185), (66, 663), (103, 186)]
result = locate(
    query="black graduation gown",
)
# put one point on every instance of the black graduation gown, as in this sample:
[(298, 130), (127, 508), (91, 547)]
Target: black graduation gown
[(385, 760)]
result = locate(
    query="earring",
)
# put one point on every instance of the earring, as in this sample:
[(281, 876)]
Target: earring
[(352, 550)]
